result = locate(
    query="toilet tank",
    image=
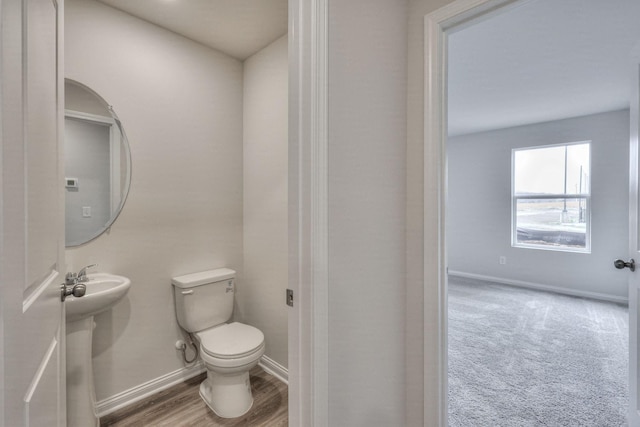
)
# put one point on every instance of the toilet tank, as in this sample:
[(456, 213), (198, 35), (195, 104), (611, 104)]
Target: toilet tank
[(204, 299)]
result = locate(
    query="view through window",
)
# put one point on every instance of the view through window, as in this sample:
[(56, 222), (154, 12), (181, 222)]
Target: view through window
[(551, 195)]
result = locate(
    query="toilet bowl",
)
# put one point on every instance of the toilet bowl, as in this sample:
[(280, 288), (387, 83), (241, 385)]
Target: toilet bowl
[(229, 351), (204, 305)]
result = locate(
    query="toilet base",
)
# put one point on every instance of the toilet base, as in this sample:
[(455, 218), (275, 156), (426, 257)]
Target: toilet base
[(228, 396)]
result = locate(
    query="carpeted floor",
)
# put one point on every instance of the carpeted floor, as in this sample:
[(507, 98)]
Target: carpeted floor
[(520, 357)]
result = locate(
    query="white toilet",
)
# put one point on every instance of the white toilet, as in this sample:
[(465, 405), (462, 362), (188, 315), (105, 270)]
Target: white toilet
[(204, 302)]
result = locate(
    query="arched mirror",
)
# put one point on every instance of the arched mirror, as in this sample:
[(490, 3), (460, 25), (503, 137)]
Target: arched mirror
[(97, 164)]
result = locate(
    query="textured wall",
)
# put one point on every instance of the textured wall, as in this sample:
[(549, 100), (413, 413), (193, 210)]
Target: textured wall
[(262, 297), (366, 217)]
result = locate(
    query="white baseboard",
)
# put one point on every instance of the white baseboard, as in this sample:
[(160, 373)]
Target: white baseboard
[(539, 286), (137, 393), (144, 390), (274, 368)]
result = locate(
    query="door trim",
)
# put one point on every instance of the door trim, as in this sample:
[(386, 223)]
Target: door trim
[(308, 207), (437, 25), (633, 413)]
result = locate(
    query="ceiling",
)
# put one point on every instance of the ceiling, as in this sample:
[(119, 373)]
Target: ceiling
[(542, 60), (238, 28)]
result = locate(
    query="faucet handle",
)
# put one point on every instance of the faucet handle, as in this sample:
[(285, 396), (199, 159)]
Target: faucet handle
[(70, 279), (82, 274)]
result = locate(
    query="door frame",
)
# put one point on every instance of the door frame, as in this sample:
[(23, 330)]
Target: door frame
[(633, 411), (308, 207), (452, 17)]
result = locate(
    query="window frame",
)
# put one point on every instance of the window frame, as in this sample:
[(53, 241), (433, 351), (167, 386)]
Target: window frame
[(567, 196)]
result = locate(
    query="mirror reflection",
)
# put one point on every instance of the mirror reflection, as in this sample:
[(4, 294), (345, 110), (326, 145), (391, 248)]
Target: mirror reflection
[(97, 164)]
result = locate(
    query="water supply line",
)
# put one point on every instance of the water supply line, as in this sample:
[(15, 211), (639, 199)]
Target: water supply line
[(182, 346)]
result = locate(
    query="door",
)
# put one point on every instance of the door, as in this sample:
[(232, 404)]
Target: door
[(634, 247), (32, 373)]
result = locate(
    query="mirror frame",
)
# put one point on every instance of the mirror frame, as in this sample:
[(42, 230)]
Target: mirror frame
[(129, 165)]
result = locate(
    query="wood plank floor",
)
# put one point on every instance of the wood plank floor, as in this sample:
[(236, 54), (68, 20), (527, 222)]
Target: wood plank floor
[(181, 405)]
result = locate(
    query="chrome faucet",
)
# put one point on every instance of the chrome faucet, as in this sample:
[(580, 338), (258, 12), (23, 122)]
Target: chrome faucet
[(82, 274)]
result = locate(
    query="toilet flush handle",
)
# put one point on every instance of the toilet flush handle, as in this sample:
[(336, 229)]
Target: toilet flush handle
[(188, 292)]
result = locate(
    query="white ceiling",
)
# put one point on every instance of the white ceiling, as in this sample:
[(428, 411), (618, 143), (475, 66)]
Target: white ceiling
[(543, 60), (238, 28)]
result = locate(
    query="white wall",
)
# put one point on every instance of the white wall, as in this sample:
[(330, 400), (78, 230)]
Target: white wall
[(262, 296), (366, 218), (479, 205), (181, 106)]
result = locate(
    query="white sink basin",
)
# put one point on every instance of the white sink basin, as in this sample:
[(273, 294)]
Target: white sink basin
[(104, 290)]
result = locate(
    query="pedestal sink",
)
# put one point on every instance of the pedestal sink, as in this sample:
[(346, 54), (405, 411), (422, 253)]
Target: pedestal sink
[(103, 292)]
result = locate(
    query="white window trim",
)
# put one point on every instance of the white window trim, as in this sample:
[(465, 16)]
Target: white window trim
[(515, 198)]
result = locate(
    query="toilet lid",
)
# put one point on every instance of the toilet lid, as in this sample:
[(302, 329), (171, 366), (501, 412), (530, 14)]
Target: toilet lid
[(231, 340)]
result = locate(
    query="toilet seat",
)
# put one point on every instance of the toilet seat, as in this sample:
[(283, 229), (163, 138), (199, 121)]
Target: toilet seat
[(231, 341)]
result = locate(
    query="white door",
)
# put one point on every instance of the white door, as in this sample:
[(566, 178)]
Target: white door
[(32, 373), (634, 249)]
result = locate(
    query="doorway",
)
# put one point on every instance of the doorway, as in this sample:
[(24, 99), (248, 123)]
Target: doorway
[(436, 137), (214, 161)]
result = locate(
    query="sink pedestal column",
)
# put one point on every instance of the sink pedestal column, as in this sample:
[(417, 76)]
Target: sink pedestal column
[(81, 396)]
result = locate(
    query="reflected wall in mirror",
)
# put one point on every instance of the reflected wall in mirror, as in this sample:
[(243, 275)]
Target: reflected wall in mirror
[(97, 164)]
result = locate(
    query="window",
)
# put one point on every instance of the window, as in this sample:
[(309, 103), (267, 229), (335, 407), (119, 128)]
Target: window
[(551, 197)]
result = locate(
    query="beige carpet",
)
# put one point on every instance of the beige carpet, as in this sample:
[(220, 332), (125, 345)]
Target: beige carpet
[(520, 357)]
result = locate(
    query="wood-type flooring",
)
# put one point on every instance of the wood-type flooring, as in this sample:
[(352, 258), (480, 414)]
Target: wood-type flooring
[(181, 406)]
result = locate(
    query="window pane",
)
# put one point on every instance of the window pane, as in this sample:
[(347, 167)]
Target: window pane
[(542, 170), (552, 222), (578, 172), (539, 171)]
